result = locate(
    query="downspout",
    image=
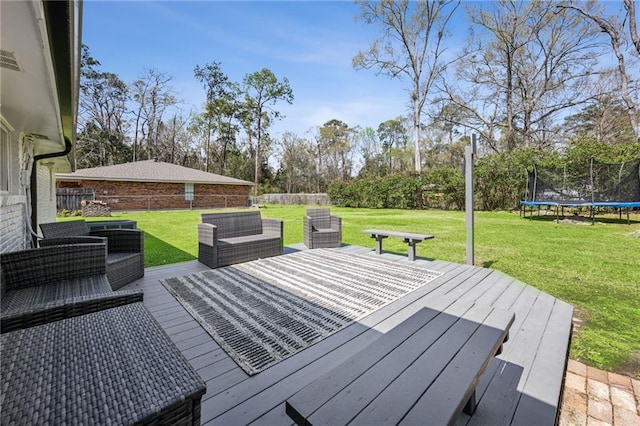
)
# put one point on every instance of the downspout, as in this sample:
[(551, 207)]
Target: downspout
[(34, 184)]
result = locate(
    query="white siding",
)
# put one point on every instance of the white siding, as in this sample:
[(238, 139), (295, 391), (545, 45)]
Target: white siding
[(13, 212), (46, 195)]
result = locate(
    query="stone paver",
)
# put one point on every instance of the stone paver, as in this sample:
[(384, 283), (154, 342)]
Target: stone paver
[(593, 397)]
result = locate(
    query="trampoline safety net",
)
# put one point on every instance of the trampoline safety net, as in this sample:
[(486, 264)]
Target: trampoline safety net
[(582, 183)]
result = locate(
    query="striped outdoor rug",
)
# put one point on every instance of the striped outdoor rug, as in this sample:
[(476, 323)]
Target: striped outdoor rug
[(266, 310)]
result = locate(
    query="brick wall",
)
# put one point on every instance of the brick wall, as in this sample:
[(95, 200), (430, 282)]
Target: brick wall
[(159, 196), (12, 228)]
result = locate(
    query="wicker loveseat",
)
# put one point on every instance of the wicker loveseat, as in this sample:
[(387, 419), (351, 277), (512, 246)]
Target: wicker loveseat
[(229, 238), (125, 247), (52, 283)]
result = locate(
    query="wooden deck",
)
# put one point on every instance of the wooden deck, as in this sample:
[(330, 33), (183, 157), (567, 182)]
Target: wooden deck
[(522, 386)]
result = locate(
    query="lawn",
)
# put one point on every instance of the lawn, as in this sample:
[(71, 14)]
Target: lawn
[(593, 267)]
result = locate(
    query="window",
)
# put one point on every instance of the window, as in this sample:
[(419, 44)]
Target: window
[(5, 159), (188, 191)]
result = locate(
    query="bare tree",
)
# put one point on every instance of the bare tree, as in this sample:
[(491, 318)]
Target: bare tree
[(295, 158), (102, 123), (410, 47), (527, 62), (615, 30), (153, 93), (630, 6)]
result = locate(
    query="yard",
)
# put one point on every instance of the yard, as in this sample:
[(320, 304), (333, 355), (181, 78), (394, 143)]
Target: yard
[(595, 268)]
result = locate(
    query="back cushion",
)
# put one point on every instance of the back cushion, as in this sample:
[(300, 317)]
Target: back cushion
[(321, 218), (64, 229), (238, 224)]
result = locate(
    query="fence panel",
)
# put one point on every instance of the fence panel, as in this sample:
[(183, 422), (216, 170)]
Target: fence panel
[(70, 198), (293, 199)]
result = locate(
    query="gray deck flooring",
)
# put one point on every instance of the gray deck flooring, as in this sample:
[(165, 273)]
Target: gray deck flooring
[(522, 386)]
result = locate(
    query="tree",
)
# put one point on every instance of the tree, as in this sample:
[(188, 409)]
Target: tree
[(370, 148), (394, 139), (174, 139), (262, 91), (527, 63), (222, 111), (153, 94), (102, 124), (295, 158), (630, 6), (615, 31), (410, 47), (335, 142)]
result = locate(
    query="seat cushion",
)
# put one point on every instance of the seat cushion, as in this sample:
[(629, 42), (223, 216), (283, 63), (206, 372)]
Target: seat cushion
[(326, 231), (243, 249), (42, 294), (247, 239)]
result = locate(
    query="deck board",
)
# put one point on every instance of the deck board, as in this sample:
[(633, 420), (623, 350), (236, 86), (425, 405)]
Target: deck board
[(521, 386)]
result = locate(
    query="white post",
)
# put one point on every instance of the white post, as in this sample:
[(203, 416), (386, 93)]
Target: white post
[(469, 154)]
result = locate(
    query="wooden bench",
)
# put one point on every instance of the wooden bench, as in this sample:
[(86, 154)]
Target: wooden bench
[(423, 371), (409, 238)]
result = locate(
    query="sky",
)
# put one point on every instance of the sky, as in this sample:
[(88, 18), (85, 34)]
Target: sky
[(310, 43)]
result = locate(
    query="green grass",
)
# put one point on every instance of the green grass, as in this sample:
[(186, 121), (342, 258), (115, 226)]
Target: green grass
[(595, 268)]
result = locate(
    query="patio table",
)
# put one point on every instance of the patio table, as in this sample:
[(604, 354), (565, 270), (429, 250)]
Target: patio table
[(115, 366)]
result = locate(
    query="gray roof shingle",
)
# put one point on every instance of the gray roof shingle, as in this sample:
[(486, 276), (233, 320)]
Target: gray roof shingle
[(150, 171)]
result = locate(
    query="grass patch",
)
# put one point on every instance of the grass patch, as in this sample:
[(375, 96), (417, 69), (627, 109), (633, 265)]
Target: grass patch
[(595, 268)]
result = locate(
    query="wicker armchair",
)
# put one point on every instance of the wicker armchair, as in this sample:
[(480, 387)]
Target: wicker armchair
[(230, 238), (43, 285), (321, 230), (125, 247)]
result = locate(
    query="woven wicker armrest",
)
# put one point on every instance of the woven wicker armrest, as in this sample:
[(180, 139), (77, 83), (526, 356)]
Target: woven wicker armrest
[(122, 240), (272, 226), (336, 222), (31, 316), (207, 234), (43, 265)]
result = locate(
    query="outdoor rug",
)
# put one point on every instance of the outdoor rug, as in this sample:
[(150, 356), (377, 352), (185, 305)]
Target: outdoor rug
[(263, 311)]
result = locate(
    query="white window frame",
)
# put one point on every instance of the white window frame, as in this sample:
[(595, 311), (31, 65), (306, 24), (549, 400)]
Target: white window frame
[(5, 156), (189, 191)]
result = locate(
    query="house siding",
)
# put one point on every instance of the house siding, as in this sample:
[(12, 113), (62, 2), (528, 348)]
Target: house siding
[(46, 195), (13, 211), (126, 195)]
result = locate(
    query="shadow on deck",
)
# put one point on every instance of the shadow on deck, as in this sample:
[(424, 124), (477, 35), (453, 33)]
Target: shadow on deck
[(520, 386)]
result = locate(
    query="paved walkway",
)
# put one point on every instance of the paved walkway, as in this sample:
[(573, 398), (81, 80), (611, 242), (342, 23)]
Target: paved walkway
[(595, 397)]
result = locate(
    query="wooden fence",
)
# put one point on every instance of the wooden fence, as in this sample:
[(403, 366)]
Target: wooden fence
[(293, 199), (70, 198)]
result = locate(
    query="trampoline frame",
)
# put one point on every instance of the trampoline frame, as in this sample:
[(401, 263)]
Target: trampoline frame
[(560, 205)]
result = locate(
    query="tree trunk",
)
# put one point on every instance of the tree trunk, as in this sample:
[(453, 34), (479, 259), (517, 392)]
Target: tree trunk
[(416, 133)]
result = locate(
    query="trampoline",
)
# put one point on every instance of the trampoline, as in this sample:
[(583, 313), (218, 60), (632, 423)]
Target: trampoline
[(592, 185)]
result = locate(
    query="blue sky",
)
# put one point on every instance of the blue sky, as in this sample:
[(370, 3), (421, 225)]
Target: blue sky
[(310, 43)]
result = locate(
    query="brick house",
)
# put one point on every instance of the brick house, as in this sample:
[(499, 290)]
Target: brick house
[(155, 185)]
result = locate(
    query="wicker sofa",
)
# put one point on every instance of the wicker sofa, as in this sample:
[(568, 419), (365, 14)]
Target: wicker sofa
[(229, 238), (125, 247), (48, 284), (321, 229)]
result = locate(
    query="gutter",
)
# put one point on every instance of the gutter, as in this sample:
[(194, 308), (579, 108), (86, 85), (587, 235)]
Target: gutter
[(33, 190)]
